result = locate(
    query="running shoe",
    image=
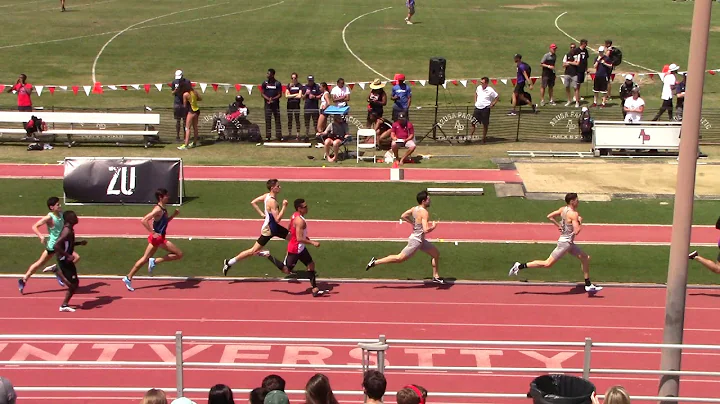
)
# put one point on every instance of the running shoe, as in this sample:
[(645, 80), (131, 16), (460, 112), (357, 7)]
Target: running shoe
[(226, 267), (183, 147), (408, 22), (693, 255), (128, 283), (21, 285), (370, 264), (54, 269), (438, 280), (151, 265), (515, 269), (67, 309), (592, 289), (320, 293), (552, 102), (263, 253)]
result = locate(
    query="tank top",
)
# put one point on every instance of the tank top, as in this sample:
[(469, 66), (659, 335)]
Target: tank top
[(566, 229), (323, 102), (270, 226), (193, 102), (293, 246), (418, 233), (54, 231), (69, 246), (160, 225)]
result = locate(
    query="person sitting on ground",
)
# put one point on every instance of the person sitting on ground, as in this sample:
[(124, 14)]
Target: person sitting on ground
[(333, 136), (383, 128), (374, 385), (235, 117), (402, 134)]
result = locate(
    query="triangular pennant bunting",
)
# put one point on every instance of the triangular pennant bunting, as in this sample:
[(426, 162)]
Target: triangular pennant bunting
[(514, 81), (445, 84), (455, 82), (135, 86), (464, 83), (226, 87), (114, 88), (64, 88), (592, 76), (158, 86), (422, 82), (351, 85), (237, 87), (711, 72), (494, 81), (2, 87), (75, 89), (362, 85), (534, 79), (124, 87), (215, 86), (249, 88), (474, 81), (612, 77), (38, 90), (147, 88), (504, 81), (87, 90), (203, 86), (97, 88), (51, 89)]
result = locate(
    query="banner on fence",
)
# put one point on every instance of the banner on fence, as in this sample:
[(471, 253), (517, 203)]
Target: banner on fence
[(643, 135), (121, 180)]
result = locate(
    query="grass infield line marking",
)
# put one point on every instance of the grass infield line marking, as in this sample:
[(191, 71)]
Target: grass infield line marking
[(348, 46), (595, 50)]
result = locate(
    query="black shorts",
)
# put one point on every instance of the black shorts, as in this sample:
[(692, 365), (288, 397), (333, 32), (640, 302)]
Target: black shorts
[(482, 115), (580, 78), (280, 232), (180, 112), (25, 109), (50, 252), (292, 259), (69, 271), (600, 84), (519, 88)]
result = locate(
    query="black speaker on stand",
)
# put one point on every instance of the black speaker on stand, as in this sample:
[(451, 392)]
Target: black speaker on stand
[(436, 77)]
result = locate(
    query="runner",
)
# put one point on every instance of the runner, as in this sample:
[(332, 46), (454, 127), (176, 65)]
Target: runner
[(156, 239), (296, 250), (418, 217), (570, 227), (65, 248), (709, 264), (54, 222), (270, 228)]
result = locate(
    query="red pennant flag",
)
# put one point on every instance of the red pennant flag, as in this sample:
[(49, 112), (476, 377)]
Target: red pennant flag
[(169, 85), (413, 82), (592, 76), (259, 87), (97, 89), (147, 88), (237, 87), (75, 89), (534, 79), (455, 82), (193, 84), (475, 81), (2, 87), (651, 75), (52, 90), (215, 86), (514, 82), (612, 77), (351, 85), (124, 87), (712, 72), (494, 81)]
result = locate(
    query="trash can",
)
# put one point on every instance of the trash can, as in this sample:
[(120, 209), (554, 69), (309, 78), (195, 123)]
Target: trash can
[(561, 389)]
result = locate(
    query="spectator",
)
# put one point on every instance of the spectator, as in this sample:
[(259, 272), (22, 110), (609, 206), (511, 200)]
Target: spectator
[(410, 4), (585, 125), (582, 58), (669, 82), (614, 395), (271, 91), (183, 400), (374, 385), (190, 99), (377, 99), (220, 394), (257, 396), (318, 391), (312, 94), (548, 75), (179, 109), (602, 76), (608, 46), (634, 107), (273, 382), (402, 134), (485, 99), (570, 79), (523, 76), (402, 95), (7, 392), (411, 394), (340, 94), (293, 93), (23, 89), (680, 94), (333, 136), (626, 91), (276, 397), (154, 396), (324, 103), (383, 128)]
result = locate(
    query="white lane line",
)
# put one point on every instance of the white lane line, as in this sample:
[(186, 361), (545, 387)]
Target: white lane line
[(353, 53)]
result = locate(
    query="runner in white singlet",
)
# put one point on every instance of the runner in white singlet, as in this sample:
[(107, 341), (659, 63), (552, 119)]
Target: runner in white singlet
[(570, 226)]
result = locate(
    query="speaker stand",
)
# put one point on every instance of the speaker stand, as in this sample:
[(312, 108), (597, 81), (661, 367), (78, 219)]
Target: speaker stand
[(436, 125)]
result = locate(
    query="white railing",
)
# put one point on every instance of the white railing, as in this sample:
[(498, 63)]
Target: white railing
[(369, 347)]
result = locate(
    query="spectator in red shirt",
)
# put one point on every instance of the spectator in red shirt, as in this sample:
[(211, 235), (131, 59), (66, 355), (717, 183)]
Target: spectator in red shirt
[(23, 91), (402, 134)]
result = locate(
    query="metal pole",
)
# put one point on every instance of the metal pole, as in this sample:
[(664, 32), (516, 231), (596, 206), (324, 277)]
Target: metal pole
[(684, 198), (586, 358), (435, 121), (179, 364)]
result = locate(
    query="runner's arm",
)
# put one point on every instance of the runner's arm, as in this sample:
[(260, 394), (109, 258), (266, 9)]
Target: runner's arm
[(427, 228), (254, 203), (300, 232), (552, 215), (280, 214), (149, 217), (408, 214), (577, 226), (60, 245), (47, 218), (177, 212)]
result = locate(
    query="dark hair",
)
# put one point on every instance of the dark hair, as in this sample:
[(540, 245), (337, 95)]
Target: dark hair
[(273, 382), (160, 193), (271, 183), (518, 56), (220, 394), (52, 201), (24, 77), (272, 71), (485, 79), (323, 84), (570, 197), (294, 74), (70, 217), (608, 42), (422, 195), (374, 384), (318, 390), (341, 79), (583, 42), (298, 202), (257, 395)]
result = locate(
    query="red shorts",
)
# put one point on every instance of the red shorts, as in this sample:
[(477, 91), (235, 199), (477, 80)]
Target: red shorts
[(156, 241)]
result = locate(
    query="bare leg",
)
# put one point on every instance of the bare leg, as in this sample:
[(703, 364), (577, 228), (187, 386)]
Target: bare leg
[(173, 254), (435, 261), (548, 263), (711, 265), (44, 258), (71, 287), (149, 252), (392, 259), (407, 154)]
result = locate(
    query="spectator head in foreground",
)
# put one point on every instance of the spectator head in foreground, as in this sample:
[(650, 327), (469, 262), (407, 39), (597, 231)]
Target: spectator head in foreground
[(318, 391), (616, 395), (183, 400), (154, 396), (411, 394), (276, 397), (256, 396), (220, 394), (374, 385), (273, 382), (7, 392)]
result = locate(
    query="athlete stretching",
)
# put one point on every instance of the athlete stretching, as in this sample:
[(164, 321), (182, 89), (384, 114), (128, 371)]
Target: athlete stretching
[(418, 217), (714, 266), (570, 226), (270, 228), (156, 239), (296, 250)]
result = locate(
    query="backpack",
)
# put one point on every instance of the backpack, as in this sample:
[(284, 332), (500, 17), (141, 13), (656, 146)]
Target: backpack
[(616, 56), (586, 125), (35, 125), (529, 69)]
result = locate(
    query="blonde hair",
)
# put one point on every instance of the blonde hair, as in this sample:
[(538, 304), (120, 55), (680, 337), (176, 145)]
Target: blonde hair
[(616, 395), (154, 396)]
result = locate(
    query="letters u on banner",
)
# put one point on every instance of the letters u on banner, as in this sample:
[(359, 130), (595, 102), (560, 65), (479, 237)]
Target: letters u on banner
[(121, 180)]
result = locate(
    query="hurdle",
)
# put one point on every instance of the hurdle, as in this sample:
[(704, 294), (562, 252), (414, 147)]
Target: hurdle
[(456, 191), (287, 145)]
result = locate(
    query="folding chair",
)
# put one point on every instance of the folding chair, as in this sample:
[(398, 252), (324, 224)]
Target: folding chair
[(362, 136)]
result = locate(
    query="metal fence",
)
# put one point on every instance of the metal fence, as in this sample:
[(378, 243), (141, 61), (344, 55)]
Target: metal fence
[(558, 124), (369, 347)]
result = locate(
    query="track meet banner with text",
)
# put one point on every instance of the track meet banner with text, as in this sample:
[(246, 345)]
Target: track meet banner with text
[(121, 180)]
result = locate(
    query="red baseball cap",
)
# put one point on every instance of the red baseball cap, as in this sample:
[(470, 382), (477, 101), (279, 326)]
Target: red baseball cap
[(553, 46), (399, 76)]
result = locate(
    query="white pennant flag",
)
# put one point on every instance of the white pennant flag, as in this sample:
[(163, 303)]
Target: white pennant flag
[(464, 83), (159, 86), (226, 87), (422, 82), (362, 85), (135, 86), (87, 90), (249, 88), (203, 86), (445, 84), (504, 81), (39, 89), (114, 88), (64, 88)]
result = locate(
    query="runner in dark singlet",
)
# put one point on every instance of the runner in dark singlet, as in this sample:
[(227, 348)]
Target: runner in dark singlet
[(270, 228), (64, 250), (156, 239)]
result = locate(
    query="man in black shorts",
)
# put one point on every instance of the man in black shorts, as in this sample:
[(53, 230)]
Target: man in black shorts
[(179, 109), (64, 248), (523, 77), (485, 98)]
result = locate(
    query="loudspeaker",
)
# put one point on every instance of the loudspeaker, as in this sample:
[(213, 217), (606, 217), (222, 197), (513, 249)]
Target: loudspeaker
[(437, 72)]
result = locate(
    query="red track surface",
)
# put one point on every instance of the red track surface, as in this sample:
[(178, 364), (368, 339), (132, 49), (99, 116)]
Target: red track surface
[(231, 308), (332, 174), (372, 230)]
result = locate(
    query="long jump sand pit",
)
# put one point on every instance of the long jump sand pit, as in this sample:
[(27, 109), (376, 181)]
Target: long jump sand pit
[(612, 178)]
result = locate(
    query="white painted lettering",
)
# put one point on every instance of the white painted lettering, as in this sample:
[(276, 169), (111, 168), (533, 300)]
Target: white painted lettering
[(314, 355), (553, 362), (231, 353), (27, 350), (356, 353), (110, 350), (165, 355), (482, 356), (425, 356)]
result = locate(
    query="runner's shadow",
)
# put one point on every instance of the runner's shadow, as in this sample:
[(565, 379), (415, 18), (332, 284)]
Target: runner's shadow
[(328, 287), (705, 294), (255, 280), (427, 284), (190, 283), (577, 290), (83, 290), (99, 302)]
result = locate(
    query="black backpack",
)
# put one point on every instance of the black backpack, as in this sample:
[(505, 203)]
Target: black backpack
[(586, 125), (616, 56)]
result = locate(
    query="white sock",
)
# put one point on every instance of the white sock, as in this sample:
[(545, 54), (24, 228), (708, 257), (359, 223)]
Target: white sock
[(232, 261)]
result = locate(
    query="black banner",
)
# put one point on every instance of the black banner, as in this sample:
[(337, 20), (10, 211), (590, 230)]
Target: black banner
[(121, 180)]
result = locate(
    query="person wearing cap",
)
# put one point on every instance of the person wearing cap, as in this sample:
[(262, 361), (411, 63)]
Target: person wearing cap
[(626, 91), (401, 94), (585, 125), (293, 93), (523, 76), (179, 108), (680, 94), (276, 397), (570, 78), (403, 135), (485, 98), (634, 107), (235, 116), (377, 99), (602, 76), (669, 83), (271, 91), (7, 392), (312, 94), (548, 74), (340, 94)]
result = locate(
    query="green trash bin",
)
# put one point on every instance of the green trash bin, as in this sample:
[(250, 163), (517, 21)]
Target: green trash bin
[(561, 389)]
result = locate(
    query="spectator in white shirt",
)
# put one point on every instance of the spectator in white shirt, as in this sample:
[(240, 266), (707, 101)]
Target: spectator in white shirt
[(667, 92), (485, 99), (340, 94), (634, 107)]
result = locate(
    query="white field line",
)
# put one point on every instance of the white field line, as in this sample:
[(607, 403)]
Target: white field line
[(353, 53)]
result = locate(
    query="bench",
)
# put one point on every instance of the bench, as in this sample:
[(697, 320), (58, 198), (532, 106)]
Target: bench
[(92, 125), (613, 135)]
